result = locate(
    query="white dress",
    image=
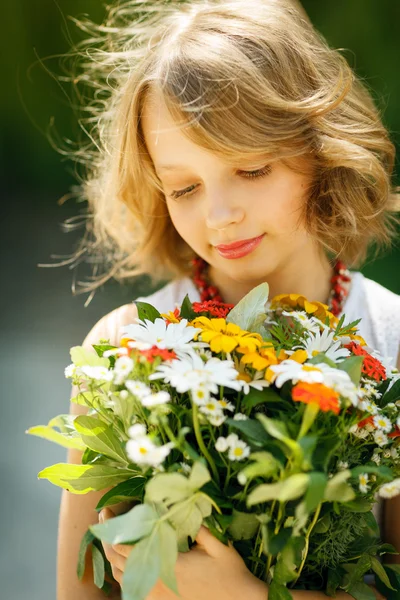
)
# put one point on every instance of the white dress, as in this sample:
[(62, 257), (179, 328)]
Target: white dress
[(378, 307)]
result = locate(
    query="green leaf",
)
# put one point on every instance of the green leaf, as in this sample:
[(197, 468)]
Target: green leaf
[(380, 571), (168, 487), (358, 505), (98, 567), (277, 542), (285, 567), (169, 555), (100, 437), (393, 573), (142, 568), (186, 520), (352, 366), (199, 476), (82, 357), (315, 491), (252, 430), (62, 439), (277, 591), (356, 571), (243, 526), (187, 311), (132, 489), (129, 527), (81, 479), (147, 311), (337, 489), (84, 545), (278, 430), (248, 310), (256, 397), (362, 591), (384, 472), (289, 489), (264, 465), (101, 348), (391, 395), (85, 398)]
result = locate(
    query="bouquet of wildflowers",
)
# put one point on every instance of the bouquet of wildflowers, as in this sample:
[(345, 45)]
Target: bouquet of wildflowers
[(272, 423)]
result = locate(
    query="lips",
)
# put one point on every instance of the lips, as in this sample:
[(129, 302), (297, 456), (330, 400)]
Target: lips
[(238, 244)]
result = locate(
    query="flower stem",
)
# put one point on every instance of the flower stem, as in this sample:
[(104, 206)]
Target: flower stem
[(307, 540), (200, 441)]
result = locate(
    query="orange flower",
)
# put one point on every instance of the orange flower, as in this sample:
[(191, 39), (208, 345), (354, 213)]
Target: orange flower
[(317, 393), (172, 317)]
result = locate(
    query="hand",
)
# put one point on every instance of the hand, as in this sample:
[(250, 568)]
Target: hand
[(209, 570)]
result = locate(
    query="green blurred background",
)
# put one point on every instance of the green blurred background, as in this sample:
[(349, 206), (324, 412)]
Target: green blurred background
[(41, 319)]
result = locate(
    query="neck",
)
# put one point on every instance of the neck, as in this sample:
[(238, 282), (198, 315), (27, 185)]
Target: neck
[(309, 276)]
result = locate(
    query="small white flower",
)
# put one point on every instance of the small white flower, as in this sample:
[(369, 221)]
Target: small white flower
[(309, 323), (363, 482), (224, 404), (324, 342), (343, 465), (232, 438), (123, 366), (394, 452), (200, 394), (143, 451), (386, 454), (369, 407), (361, 433), (376, 458), (258, 383), (123, 394), (216, 419), (114, 351), (211, 407), (240, 417), (238, 450), (380, 438), (186, 468), (70, 371), (354, 428), (137, 388), (97, 373), (389, 490), (137, 430), (222, 444), (161, 397), (382, 423)]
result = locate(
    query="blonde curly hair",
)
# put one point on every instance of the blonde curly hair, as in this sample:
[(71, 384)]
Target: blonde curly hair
[(248, 77)]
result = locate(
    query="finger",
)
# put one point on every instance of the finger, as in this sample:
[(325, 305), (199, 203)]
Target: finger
[(115, 558), (106, 513), (208, 542), (117, 574)]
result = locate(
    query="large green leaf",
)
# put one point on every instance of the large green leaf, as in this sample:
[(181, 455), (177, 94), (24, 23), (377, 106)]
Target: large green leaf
[(378, 569), (199, 476), (129, 490), (337, 489), (147, 311), (352, 366), (173, 487), (98, 567), (169, 555), (253, 431), (288, 489), (248, 310), (362, 591), (81, 479), (279, 431), (264, 465), (392, 394), (243, 526), (277, 591), (62, 439), (101, 438), (143, 568), (129, 527), (84, 545), (256, 397), (82, 357)]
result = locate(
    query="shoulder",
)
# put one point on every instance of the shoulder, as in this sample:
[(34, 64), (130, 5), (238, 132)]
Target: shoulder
[(380, 297), (108, 326)]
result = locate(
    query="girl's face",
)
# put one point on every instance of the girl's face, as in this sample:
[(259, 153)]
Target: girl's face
[(212, 203)]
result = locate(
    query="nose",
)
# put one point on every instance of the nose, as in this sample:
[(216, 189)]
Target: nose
[(222, 214)]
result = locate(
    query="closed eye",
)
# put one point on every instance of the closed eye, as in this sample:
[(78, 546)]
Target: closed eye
[(247, 174)]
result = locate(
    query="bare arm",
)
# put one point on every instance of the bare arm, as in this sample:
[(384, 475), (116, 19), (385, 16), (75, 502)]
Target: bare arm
[(77, 512)]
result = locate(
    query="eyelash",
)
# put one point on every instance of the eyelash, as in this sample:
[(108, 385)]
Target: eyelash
[(249, 175)]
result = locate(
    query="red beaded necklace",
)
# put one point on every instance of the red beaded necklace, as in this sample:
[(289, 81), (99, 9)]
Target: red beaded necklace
[(210, 293)]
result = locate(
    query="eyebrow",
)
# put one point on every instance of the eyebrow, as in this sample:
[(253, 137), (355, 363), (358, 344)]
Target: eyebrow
[(171, 167)]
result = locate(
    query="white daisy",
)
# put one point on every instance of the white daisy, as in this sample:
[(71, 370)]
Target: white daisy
[(238, 450), (368, 406), (382, 423), (240, 417), (114, 351), (389, 490), (191, 372), (137, 430), (363, 482), (380, 438), (308, 323), (258, 383), (70, 371), (290, 370), (161, 397), (225, 405), (200, 394), (123, 366), (211, 407), (317, 342), (376, 458), (173, 336), (97, 373), (216, 419), (222, 444), (137, 388)]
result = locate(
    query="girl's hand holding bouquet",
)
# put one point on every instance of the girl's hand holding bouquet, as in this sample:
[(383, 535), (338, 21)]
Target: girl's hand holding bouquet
[(272, 424)]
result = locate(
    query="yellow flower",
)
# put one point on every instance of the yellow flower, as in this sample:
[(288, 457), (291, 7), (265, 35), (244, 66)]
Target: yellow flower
[(299, 356), (170, 316), (225, 337), (317, 309), (262, 359)]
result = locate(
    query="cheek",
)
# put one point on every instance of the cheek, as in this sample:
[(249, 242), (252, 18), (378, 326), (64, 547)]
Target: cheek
[(284, 207), (185, 221)]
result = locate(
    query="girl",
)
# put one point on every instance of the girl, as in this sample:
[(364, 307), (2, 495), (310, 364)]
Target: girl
[(234, 147)]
